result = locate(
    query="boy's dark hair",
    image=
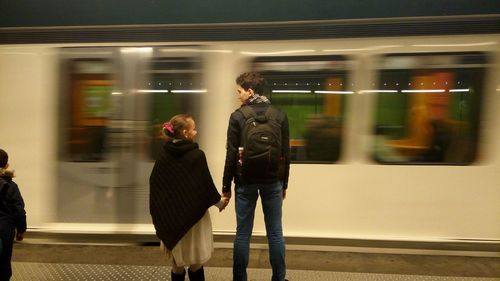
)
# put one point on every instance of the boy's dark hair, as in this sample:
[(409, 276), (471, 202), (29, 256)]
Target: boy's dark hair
[(251, 80), (4, 158)]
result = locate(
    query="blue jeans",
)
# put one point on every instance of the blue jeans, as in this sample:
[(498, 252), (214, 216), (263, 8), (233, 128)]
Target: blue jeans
[(272, 201)]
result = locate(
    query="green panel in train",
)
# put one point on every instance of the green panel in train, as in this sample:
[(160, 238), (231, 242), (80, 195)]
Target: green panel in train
[(164, 106), (97, 101), (298, 108)]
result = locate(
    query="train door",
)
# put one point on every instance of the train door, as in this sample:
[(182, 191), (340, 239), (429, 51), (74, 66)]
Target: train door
[(113, 101)]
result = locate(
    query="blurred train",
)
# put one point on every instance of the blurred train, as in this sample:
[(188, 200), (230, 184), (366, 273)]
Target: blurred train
[(392, 138)]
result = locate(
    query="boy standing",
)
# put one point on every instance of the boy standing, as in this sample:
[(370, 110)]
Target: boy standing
[(270, 183)]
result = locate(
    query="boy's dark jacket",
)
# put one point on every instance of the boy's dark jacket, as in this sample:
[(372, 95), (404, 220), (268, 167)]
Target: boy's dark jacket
[(12, 213), (181, 190), (236, 124)]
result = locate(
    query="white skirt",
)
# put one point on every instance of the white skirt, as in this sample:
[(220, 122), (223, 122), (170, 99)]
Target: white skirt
[(196, 247)]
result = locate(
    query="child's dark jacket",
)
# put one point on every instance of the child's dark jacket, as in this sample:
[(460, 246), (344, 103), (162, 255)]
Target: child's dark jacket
[(181, 190), (12, 213)]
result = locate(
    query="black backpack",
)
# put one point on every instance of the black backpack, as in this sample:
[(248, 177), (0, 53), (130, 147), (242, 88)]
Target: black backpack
[(261, 142)]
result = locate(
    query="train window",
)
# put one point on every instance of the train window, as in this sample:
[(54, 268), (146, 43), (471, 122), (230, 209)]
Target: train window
[(312, 91), (428, 108)]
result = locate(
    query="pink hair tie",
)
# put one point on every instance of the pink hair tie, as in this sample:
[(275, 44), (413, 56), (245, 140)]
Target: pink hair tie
[(168, 126)]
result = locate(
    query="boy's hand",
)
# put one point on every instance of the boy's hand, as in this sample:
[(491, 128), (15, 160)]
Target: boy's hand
[(20, 236)]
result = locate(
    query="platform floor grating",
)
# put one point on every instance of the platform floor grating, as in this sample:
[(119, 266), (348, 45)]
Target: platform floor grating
[(26, 271)]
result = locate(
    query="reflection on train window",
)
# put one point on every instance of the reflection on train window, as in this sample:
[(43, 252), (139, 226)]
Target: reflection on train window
[(89, 98), (312, 91), (428, 108), (175, 86)]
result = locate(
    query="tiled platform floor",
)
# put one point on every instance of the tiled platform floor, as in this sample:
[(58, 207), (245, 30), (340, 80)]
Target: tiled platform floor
[(27, 271)]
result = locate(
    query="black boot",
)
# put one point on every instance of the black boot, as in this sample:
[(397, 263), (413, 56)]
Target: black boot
[(178, 276), (198, 275)]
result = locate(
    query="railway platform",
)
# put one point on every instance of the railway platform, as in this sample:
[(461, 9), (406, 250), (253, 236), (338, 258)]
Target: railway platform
[(112, 257)]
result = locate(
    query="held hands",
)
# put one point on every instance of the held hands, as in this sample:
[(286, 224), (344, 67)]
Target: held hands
[(224, 201), (227, 194)]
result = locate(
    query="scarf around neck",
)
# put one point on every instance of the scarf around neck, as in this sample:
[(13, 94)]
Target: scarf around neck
[(256, 98)]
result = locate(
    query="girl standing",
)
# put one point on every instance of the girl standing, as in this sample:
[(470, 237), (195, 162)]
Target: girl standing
[(181, 191)]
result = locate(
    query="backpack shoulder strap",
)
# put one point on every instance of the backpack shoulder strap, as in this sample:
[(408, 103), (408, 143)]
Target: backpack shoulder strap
[(249, 114), (272, 112), (247, 111)]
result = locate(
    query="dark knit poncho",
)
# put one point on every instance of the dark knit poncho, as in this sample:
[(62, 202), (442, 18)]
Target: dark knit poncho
[(181, 190)]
